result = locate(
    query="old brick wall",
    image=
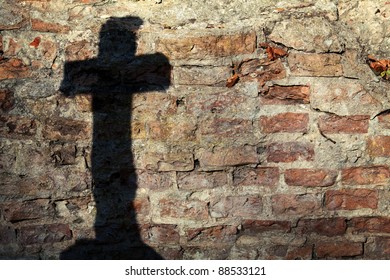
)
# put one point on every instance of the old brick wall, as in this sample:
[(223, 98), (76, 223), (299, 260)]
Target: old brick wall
[(292, 162)]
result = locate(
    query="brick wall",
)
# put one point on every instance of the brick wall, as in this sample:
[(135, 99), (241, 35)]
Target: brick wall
[(290, 162)]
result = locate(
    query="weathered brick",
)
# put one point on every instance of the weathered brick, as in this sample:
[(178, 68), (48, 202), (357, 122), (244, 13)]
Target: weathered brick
[(201, 180), (379, 146), (217, 101), (12, 16), (7, 235), (365, 175), (179, 208), (222, 157), (236, 206), (172, 130), (290, 152), (370, 225), (328, 227), (378, 249), (285, 122), (161, 234), (216, 234), (63, 154), (310, 177), (295, 204), (220, 252), (209, 45), (259, 176), (79, 50), (153, 104), (384, 120), (255, 70), (338, 249), (44, 234), (17, 127), (168, 162), (348, 124), (66, 129), (343, 97), (13, 68), (226, 127), (206, 75), (308, 34), (253, 227), (27, 210), (300, 253), (156, 181), (43, 26), (140, 207), (351, 199), (7, 100), (304, 64), (286, 95)]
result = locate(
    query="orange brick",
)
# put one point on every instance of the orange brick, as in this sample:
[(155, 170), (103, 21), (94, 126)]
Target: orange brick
[(285, 122)]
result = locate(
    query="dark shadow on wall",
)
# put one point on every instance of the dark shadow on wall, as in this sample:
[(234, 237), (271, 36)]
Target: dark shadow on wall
[(112, 78)]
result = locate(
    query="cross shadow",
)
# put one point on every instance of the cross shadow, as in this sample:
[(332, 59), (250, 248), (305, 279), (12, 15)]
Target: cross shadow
[(112, 78)]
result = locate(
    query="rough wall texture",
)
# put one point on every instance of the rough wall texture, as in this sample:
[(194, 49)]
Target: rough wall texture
[(292, 162)]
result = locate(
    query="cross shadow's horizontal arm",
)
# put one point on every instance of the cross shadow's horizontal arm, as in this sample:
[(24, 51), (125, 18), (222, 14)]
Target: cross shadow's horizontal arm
[(143, 73)]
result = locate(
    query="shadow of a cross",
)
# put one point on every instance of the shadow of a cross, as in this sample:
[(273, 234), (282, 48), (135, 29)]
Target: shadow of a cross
[(112, 78)]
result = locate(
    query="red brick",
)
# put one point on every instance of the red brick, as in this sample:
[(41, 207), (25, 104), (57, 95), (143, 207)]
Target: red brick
[(253, 227), (201, 180), (179, 208), (329, 227), (17, 127), (379, 146), (180, 161), (310, 177), (216, 234), (286, 95), (259, 176), (208, 45), (295, 204), (325, 65), (7, 100), (13, 69), (66, 129), (42, 26), (7, 235), (349, 124), (351, 199), (27, 210), (338, 249), (384, 120), (285, 122), (226, 127), (223, 157), (290, 151), (370, 225), (366, 175), (44, 234), (236, 206)]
